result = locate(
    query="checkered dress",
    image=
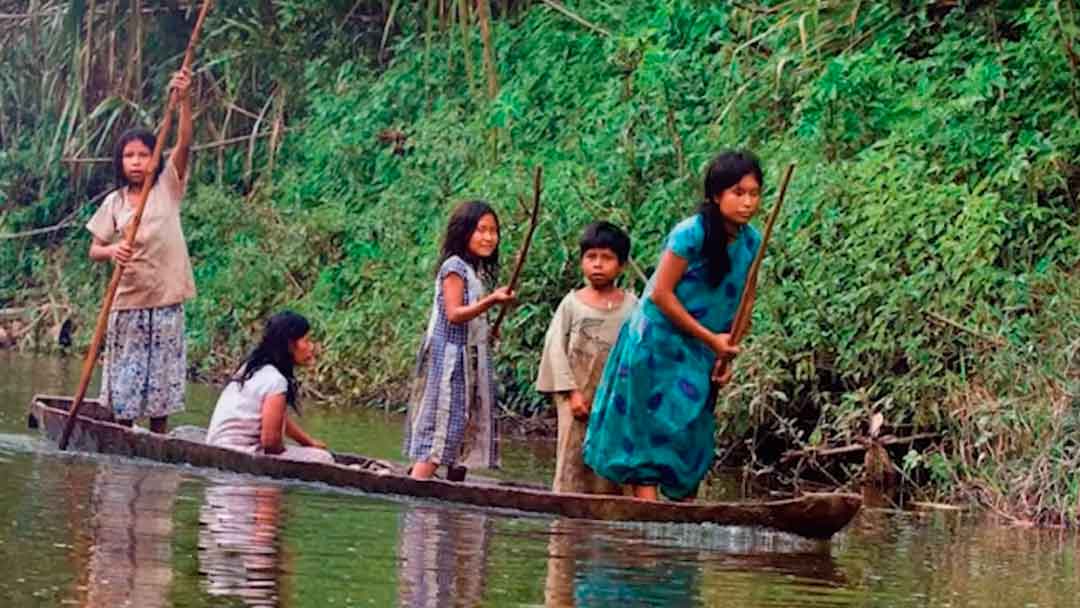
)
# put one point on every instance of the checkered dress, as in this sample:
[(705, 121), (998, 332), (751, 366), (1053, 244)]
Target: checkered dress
[(452, 407)]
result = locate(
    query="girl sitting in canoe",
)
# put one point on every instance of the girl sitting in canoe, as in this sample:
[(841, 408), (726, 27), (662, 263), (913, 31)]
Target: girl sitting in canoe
[(452, 409), (145, 353), (652, 423), (251, 413)]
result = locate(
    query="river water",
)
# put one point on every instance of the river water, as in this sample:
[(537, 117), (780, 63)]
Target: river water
[(86, 530)]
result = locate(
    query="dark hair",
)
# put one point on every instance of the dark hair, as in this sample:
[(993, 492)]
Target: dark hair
[(273, 349), (459, 231), (605, 235), (147, 138), (725, 170)]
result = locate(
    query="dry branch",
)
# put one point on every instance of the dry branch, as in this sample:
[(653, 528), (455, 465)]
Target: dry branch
[(534, 220), (854, 447), (557, 6), (995, 340), (64, 223), (196, 148)]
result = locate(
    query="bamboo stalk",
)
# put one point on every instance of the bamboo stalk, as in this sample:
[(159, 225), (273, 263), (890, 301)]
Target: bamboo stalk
[(129, 238), (221, 148), (111, 60), (484, 17), (248, 164), (136, 95), (88, 67), (463, 21), (275, 134), (429, 27), (33, 27)]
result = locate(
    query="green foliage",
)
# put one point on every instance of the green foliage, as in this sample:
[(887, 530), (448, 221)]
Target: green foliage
[(924, 266)]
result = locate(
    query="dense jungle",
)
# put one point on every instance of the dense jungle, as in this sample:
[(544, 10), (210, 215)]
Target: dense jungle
[(925, 267)]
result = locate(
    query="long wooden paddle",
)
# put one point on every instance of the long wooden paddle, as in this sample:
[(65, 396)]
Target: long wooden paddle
[(534, 219), (129, 238), (741, 324)]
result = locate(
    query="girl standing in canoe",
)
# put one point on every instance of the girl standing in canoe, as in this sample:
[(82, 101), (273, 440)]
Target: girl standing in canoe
[(651, 423), (252, 412), (145, 352), (452, 408)]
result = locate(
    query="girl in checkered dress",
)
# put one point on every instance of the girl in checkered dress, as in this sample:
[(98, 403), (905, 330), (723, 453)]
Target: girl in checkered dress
[(452, 410)]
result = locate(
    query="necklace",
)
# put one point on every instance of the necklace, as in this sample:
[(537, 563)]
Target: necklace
[(603, 302), (609, 303)]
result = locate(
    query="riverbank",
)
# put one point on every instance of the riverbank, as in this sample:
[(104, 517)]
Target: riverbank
[(924, 267)]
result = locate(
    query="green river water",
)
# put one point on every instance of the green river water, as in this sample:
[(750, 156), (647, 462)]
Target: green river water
[(94, 531)]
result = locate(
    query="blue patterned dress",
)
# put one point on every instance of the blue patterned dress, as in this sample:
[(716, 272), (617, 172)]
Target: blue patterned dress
[(650, 423), (452, 409)]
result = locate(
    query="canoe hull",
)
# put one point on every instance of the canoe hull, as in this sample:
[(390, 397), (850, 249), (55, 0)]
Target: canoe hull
[(817, 516)]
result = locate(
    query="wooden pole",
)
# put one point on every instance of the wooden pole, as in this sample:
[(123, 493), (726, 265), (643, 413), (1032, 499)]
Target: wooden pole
[(741, 323), (534, 219), (129, 238)]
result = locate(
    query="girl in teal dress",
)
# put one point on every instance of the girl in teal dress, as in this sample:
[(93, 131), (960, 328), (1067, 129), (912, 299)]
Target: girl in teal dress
[(651, 424)]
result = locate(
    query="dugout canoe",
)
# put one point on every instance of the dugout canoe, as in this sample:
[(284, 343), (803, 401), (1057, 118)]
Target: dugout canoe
[(817, 516)]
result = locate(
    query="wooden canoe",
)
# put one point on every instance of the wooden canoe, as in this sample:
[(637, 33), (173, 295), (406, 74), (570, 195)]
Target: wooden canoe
[(817, 516)]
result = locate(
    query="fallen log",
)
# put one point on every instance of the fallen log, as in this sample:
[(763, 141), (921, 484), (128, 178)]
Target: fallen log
[(855, 447)]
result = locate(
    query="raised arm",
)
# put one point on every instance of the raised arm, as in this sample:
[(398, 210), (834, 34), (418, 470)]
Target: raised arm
[(185, 129)]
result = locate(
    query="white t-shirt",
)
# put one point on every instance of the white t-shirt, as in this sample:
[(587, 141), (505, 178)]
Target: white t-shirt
[(237, 419)]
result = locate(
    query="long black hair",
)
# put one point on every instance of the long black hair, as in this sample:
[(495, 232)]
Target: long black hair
[(147, 138), (725, 170), (459, 230), (281, 329)]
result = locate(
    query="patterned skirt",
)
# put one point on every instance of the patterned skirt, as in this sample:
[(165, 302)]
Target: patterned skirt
[(145, 362), (445, 424), (651, 423)]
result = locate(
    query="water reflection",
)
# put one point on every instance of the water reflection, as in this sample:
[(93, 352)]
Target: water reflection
[(443, 557), (239, 550), (130, 557), (590, 569), (84, 530), (595, 564)]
